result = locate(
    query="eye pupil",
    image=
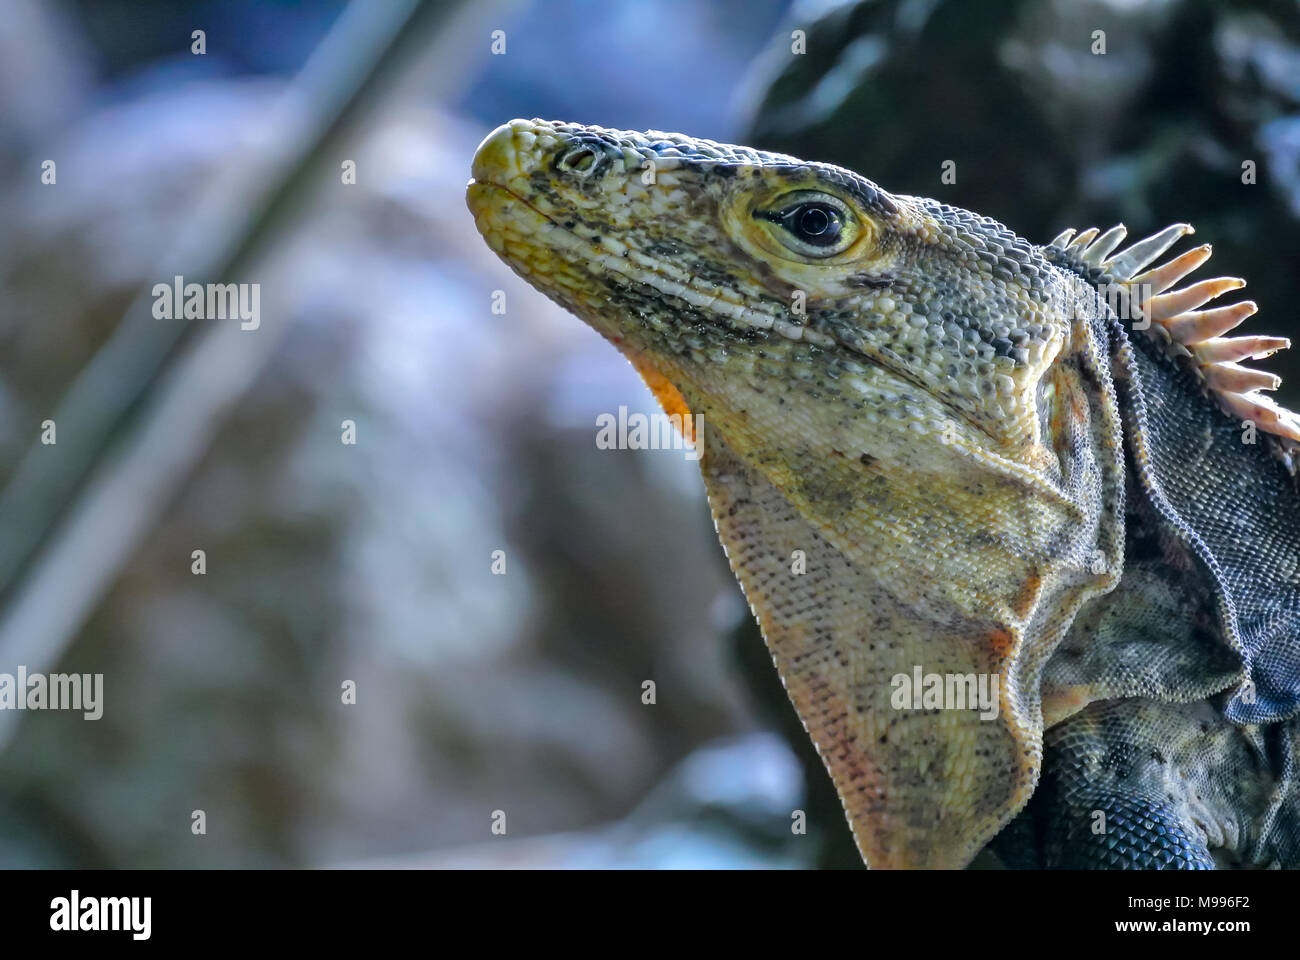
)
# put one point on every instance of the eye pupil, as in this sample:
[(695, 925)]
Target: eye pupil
[(816, 223)]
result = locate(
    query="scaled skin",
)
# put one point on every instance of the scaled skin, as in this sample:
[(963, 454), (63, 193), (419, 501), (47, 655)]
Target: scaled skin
[(917, 412)]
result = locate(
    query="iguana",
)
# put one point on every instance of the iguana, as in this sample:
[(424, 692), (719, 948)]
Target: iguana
[(943, 459)]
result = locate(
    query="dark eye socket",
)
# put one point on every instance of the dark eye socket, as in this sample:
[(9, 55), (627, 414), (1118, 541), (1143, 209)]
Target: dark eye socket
[(813, 222)]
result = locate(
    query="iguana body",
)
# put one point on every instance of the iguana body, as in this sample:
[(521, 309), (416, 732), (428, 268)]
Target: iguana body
[(934, 450)]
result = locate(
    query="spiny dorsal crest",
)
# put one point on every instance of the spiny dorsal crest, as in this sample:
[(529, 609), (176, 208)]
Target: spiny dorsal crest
[(1184, 330)]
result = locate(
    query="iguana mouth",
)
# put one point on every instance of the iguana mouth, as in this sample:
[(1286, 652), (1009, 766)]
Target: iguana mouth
[(600, 259)]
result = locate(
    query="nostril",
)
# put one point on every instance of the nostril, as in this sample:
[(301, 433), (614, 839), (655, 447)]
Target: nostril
[(580, 159)]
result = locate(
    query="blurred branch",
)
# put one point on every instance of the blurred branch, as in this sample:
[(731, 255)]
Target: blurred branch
[(143, 409)]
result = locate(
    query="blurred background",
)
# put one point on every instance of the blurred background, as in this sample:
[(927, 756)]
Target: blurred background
[(329, 563)]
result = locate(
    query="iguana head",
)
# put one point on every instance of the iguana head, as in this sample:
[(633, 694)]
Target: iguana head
[(912, 446), (675, 248)]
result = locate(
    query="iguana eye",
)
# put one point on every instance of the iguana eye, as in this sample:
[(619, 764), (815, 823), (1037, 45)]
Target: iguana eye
[(811, 224)]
